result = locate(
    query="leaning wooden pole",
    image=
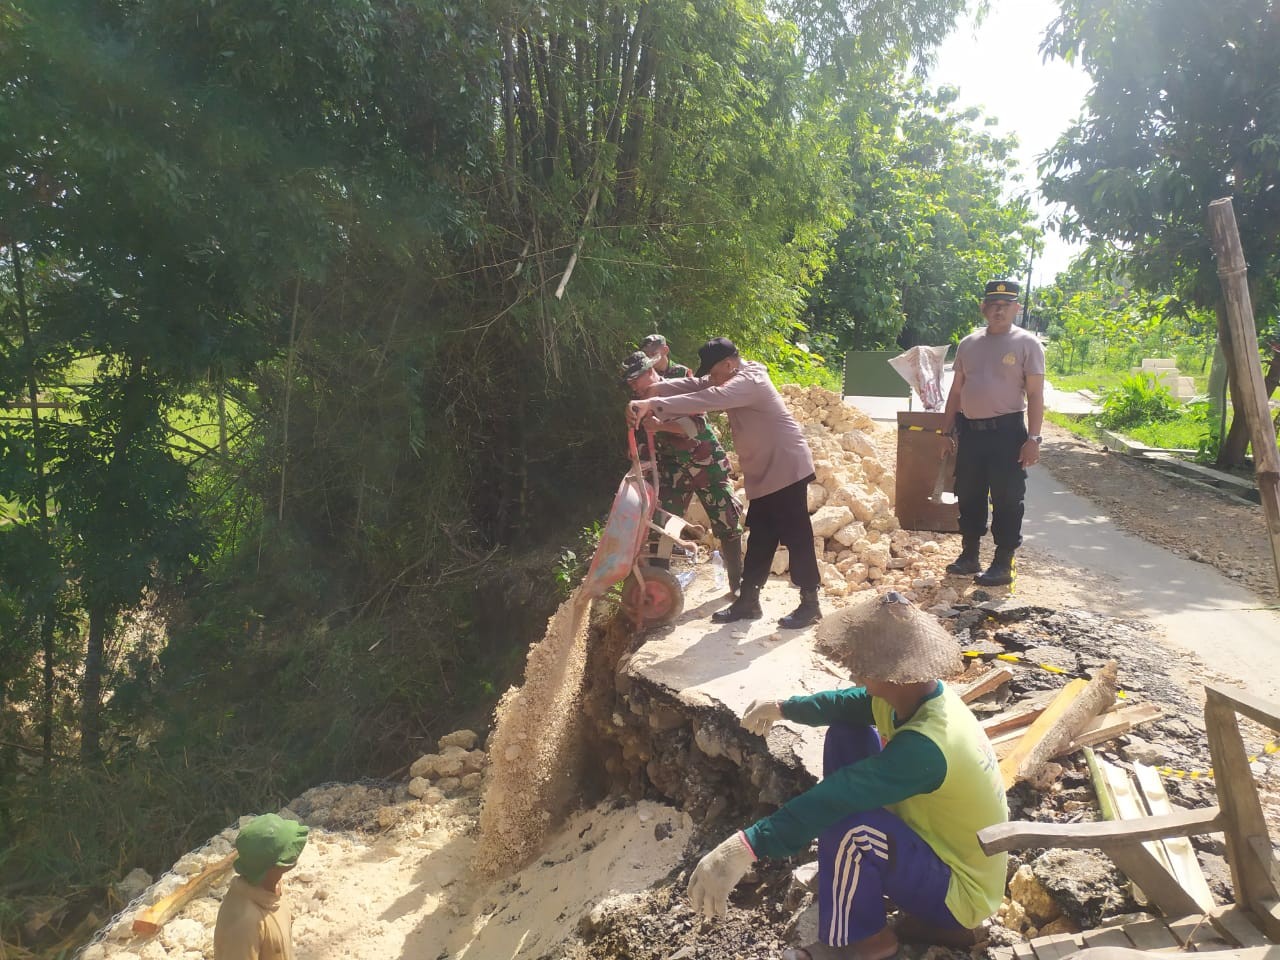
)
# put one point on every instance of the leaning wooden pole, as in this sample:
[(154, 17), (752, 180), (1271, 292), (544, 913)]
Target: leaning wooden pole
[(1244, 346)]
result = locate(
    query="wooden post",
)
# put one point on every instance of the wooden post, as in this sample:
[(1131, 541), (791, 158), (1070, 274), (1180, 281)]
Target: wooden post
[(1242, 814), (1244, 348)]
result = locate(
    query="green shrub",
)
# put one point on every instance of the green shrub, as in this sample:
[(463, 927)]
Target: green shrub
[(1137, 400)]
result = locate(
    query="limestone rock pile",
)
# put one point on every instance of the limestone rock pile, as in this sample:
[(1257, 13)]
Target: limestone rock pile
[(457, 768), (859, 543)]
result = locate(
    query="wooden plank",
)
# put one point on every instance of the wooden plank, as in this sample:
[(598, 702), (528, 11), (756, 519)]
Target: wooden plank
[(1241, 810), (1261, 847), (1151, 935), (1147, 872), (1238, 926), (1104, 727), (1108, 726), (1055, 946), (1196, 933), (150, 920), (1242, 341), (1129, 807), (1104, 835), (1106, 937), (991, 680), (1262, 712), (1042, 727), (1020, 715), (1182, 857)]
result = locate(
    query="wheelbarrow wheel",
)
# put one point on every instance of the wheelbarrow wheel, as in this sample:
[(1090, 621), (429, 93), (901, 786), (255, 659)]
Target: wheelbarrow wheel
[(663, 598)]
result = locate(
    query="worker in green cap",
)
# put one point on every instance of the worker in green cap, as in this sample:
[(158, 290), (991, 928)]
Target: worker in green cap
[(254, 922)]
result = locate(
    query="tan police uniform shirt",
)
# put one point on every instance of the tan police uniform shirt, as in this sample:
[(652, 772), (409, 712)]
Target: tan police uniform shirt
[(253, 924), (995, 369), (772, 450)]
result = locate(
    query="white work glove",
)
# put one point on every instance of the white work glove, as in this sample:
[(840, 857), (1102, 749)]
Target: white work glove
[(718, 873), (761, 715)]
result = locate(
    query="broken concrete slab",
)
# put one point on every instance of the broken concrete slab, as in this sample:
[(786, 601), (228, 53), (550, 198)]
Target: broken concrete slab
[(704, 666), (1084, 884)]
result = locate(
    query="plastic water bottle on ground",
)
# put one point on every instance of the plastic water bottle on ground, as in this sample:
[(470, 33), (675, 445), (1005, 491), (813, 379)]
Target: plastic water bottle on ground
[(685, 578), (718, 571)]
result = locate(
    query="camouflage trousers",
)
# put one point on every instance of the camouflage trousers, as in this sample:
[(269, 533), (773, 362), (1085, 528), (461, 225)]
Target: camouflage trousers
[(678, 485)]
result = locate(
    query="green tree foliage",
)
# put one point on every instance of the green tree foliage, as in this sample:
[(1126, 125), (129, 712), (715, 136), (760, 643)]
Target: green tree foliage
[(928, 224), (332, 294), (1183, 110)]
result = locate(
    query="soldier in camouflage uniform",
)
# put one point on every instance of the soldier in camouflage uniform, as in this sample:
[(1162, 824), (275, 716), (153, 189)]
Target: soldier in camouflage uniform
[(655, 348), (690, 462)]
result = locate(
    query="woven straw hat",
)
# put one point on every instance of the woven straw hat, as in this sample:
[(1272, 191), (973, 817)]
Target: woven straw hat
[(888, 638)]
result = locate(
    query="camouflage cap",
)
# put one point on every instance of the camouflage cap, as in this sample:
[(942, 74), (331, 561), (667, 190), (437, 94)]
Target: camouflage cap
[(636, 364), (652, 342)]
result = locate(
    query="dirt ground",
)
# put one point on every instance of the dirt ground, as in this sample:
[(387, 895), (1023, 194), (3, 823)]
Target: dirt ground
[(1190, 521), (387, 875)]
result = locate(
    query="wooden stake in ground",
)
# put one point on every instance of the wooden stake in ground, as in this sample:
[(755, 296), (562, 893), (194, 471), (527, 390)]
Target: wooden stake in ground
[(1078, 703), (1232, 273)]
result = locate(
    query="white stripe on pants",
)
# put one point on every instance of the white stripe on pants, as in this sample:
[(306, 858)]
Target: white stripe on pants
[(845, 873)]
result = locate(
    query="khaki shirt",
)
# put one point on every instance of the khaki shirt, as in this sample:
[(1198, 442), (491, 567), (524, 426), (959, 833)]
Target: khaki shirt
[(772, 450), (995, 371), (253, 924)]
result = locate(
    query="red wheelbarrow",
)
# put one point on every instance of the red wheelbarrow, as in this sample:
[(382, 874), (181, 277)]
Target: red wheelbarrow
[(652, 596)]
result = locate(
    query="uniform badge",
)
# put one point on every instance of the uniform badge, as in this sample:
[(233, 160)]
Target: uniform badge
[(1008, 359)]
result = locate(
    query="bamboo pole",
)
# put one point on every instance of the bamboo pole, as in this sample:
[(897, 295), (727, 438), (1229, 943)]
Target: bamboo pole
[(1232, 273)]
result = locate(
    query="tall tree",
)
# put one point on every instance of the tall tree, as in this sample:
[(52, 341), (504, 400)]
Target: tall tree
[(930, 219), (1184, 109)]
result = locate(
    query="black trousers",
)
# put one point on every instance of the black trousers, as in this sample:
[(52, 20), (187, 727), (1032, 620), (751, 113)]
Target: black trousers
[(987, 467), (781, 517)]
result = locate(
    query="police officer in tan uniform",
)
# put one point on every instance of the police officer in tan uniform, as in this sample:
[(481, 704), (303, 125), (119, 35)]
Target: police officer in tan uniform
[(993, 415)]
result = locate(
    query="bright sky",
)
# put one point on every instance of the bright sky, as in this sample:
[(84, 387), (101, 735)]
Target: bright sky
[(998, 67)]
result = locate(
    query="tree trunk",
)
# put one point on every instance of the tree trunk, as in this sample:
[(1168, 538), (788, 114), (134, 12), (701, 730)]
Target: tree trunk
[(48, 615), (91, 686), (46, 695), (1236, 443)]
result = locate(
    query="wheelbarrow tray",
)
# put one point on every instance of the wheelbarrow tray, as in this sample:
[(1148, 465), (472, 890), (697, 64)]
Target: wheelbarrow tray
[(623, 535)]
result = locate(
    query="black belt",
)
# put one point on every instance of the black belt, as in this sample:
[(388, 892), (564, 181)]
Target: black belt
[(992, 423)]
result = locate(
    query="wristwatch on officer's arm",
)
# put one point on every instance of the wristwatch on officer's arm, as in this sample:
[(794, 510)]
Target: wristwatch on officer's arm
[(1037, 438)]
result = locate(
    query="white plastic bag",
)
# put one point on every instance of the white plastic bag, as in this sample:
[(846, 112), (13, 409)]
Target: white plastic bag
[(922, 368)]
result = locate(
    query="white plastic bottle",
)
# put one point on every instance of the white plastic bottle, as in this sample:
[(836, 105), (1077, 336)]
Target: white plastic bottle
[(718, 571)]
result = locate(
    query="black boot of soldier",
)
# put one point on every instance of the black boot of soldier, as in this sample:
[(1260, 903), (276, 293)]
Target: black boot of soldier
[(731, 551), (746, 607), (1000, 572), (967, 564), (805, 615)]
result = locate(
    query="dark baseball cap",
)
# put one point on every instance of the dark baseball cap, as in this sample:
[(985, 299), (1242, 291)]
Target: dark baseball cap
[(712, 352), (1002, 290)]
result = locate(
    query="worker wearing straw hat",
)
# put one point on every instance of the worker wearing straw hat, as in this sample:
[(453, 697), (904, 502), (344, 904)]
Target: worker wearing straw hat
[(898, 820)]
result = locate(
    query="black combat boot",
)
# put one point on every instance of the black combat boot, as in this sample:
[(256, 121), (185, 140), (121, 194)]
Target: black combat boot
[(967, 564), (731, 551), (1000, 572), (746, 607), (805, 615)]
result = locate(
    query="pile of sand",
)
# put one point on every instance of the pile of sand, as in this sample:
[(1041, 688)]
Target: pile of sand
[(534, 750), (407, 888)]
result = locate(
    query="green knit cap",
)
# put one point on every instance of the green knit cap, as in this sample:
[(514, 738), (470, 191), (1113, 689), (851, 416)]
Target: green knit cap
[(268, 841)]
